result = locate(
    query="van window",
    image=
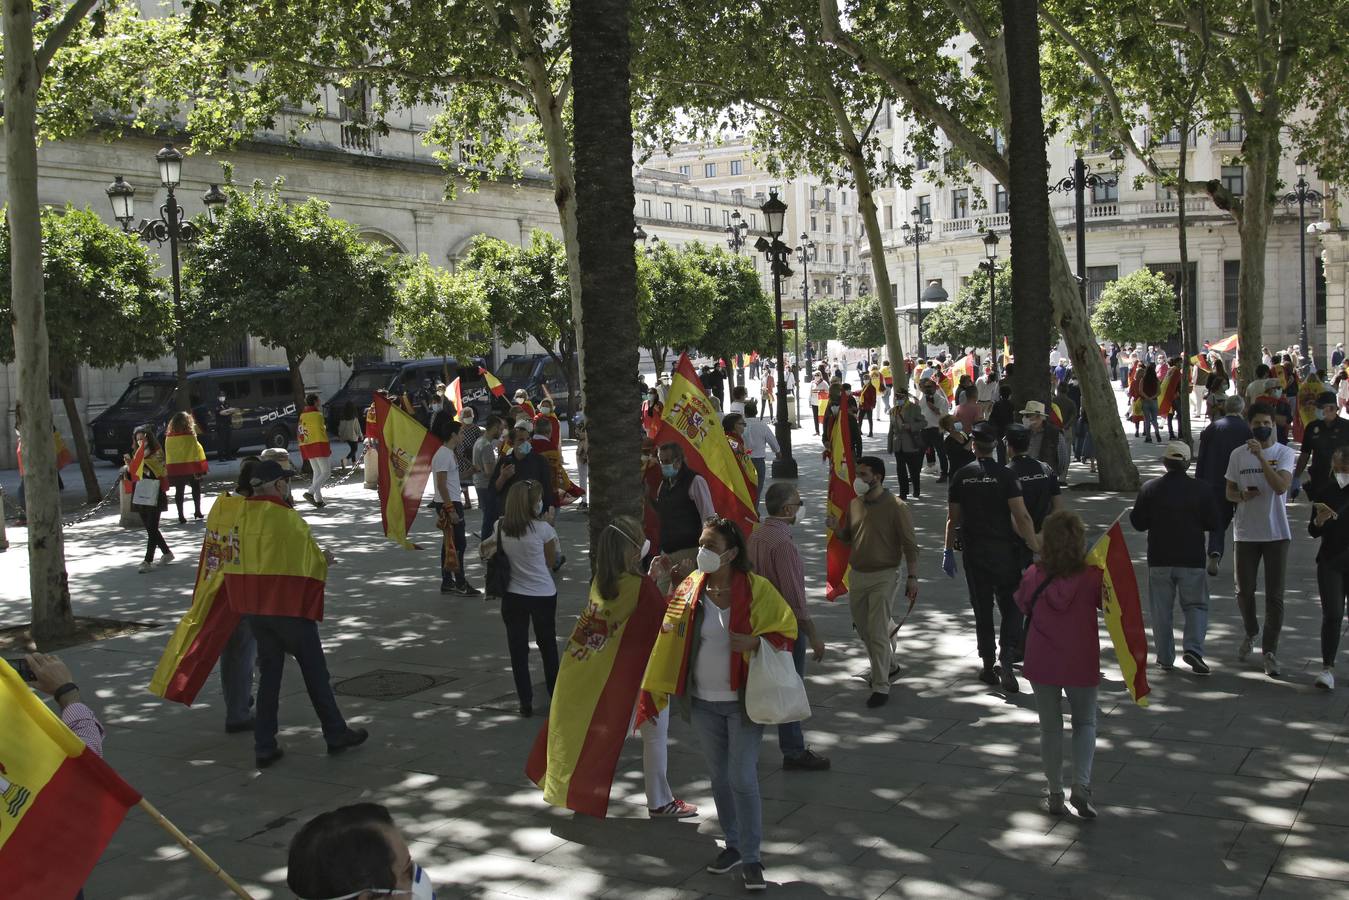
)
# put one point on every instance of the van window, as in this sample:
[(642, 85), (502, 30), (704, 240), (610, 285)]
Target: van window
[(274, 387), (552, 373), (368, 380), (519, 369), (234, 390), (147, 394)]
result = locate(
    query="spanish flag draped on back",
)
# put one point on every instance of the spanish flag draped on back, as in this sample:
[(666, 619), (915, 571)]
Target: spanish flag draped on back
[(1170, 389), (691, 421), (405, 451), (277, 569), (1123, 610), (59, 803), (313, 435), (842, 470), (183, 454), (576, 751), (200, 637)]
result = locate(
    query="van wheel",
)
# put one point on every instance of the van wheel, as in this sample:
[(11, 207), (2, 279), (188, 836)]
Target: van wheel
[(278, 437)]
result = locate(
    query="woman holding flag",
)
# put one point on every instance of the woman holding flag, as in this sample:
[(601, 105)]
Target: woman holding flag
[(148, 464), (185, 460)]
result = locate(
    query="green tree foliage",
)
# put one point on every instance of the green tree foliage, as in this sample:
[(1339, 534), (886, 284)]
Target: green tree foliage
[(963, 322), (676, 303), (859, 324), (824, 320), (1140, 307), (742, 314), (440, 313), (294, 277), (105, 305)]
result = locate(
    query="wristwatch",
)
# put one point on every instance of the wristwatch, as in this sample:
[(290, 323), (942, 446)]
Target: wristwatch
[(63, 690)]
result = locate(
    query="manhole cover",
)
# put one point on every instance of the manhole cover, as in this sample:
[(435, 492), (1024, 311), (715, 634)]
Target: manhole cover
[(389, 684)]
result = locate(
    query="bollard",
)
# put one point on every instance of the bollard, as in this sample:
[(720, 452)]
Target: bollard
[(4, 540)]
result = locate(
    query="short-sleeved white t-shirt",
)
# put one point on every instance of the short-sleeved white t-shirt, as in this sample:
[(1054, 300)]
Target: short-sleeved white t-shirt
[(1265, 517), (529, 568), (444, 460)]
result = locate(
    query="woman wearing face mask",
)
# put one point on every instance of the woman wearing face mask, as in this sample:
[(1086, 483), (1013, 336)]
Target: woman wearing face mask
[(531, 545), (651, 412), (701, 657), (148, 463), (1258, 476), (1330, 523), (354, 853), (576, 752), (957, 443)]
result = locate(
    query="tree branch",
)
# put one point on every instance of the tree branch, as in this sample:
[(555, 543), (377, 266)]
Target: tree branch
[(57, 37)]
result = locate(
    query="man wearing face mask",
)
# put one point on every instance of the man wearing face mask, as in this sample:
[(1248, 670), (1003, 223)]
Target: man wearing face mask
[(375, 861), (879, 527), (1330, 523), (1258, 477), (683, 502), (934, 405), (985, 503), (773, 555), (1047, 442), (521, 464), (1323, 436), (224, 427)]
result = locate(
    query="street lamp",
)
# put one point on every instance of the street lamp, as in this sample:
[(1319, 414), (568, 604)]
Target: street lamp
[(916, 235), (991, 251), (805, 255), (1077, 183), (1301, 194), (777, 253), (845, 285), (934, 295), (736, 231), (172, 228)]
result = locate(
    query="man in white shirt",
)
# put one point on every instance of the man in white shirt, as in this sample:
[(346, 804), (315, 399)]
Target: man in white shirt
[(1258, 476), (447, 504), (986, 391), (934, 405), (758, 438)]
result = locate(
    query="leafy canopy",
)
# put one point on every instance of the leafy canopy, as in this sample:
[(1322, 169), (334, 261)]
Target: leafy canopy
[(526, 290), (963, 322), (859, 324), (676, 304), (824, 319), (1140, 307), (742, 316), (441, 313)]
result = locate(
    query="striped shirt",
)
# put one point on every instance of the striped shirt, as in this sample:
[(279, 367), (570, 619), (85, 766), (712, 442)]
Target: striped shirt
[(81, 720), (774, 556)]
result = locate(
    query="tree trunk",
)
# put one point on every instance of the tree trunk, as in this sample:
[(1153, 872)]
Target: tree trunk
[(1028, 191), (92, 492), (602, 115), (296, 379), (46, 552), (1257, 212)]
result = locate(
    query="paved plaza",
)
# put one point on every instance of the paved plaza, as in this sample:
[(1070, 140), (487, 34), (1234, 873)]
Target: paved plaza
[(1235, 785)]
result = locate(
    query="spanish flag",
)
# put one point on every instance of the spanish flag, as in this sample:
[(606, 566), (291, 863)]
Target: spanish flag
[(1123, 610), (405, 451), (1201, 360), (1006, 351), (947, 381), (276, 568), (576, 751), (842, 470), (183, 454), (691, 421), (496, 387), (969, 367), (1170, 389), (59, 802), (200, 637), (455, 395), (63, 457), (313, 435)]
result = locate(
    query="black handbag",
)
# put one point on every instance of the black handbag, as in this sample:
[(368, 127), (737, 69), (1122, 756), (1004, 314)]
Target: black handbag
[(1025, 626), (498, 568)]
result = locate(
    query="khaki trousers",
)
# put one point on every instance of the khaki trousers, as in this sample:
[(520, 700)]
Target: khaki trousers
[(870, 595)]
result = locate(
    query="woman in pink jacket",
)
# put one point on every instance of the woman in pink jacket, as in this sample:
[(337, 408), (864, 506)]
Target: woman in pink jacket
[(1060, 595)]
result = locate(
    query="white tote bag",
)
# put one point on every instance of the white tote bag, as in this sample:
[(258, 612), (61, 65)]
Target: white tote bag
[(146, 492), (775, 694)]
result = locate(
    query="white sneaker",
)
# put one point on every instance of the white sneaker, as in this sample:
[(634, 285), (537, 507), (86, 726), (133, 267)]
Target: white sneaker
[(166, 559), (1326, 680), (145, 567), (1271, 665)]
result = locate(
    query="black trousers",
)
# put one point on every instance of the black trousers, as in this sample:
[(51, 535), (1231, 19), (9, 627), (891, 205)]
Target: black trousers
[(196, 495), (519, 612), (1333, 585), (153, 536), (992, 574), (907, 467), (932, 438), (278, 637), (224, 437)]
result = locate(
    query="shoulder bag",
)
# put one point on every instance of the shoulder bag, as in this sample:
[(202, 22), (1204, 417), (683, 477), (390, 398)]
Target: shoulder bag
[(498, 579), (1025, 626)]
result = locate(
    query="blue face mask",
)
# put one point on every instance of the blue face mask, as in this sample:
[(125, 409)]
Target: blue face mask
[(669, 470), (523, 449), (1262, 433)]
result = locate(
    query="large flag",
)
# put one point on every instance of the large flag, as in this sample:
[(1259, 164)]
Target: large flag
[(842, 470), (692, 421), (1006, 351), (947, 381), (1123, 610), (405, 451), (455, 394), (200, 637), (59, 802), (969, 368), (1201, 360), (577, 749), (183, 454), (1170, 388), (277, 569), (1226, 345)]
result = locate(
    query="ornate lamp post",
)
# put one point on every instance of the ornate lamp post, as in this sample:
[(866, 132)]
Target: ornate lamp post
[(735, 232), (777, 253), (1077, 183), (805, 255), (991, 251), (916, 235), (1301, 194), (172, 228)]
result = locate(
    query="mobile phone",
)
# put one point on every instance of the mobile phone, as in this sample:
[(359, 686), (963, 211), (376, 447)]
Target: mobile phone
[(21, 666)]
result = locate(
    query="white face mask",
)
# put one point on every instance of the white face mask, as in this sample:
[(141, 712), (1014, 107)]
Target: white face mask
[(861, 486), (709, 561), (422, 889), (1342, 479)]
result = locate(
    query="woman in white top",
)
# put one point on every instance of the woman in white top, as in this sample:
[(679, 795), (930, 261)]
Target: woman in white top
[(530, 544)]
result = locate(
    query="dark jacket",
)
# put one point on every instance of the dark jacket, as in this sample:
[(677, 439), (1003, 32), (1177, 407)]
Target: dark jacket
[(1177, 512), (1216, 443), (1334, 535)]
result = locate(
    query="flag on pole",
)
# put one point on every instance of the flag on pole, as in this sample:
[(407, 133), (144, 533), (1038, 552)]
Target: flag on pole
[(59, 802), (842, 470), (1123, 610), (201, 636), (1201, 360), (455, 394), (405, 451), (496, 387), (691, 421), (1227, 344), (1006, 350), (1170, 388)]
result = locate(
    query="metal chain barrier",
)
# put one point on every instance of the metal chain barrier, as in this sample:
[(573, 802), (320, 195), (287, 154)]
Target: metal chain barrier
[(112, 492)]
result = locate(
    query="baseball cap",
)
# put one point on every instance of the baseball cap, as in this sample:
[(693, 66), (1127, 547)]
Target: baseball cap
[(278, 455), (1177, 450), (267, 471), (985, 432), (1327, 398)]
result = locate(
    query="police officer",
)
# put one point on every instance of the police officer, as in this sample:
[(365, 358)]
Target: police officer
[(1039, 484), (1323, 436), (985, 503)]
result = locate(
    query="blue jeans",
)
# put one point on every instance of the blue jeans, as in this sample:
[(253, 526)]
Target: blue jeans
[(1191, 583), (1217, 539), (236, 673), (1150, 411), (1049, 706), (278, 637), (791, 740), (730, 743)]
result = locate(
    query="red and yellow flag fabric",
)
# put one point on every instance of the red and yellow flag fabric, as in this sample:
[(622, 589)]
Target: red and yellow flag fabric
[(276, 568), (842, 471), (63, 455), (968, 367), (1227, 344), (692, 421), (1201, 360), (183, 454), (947, 382), (455, 395), (59, 802), (312, 435), (576, 752), (200, 637), (405, 451), (496, 387), (1006, 350), (1123, 610), (1166, 401)]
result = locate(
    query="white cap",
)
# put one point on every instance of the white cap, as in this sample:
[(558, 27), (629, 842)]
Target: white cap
[(1177, 450)]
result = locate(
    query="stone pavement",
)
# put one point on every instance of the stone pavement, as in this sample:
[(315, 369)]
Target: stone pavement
[(1234, 785)]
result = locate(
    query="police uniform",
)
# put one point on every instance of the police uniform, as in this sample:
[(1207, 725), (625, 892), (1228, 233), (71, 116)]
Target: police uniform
[(1039, 487), (991, 556), (1321, 439)]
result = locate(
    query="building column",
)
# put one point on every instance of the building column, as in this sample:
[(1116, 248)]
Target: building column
[(1335, 257)]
